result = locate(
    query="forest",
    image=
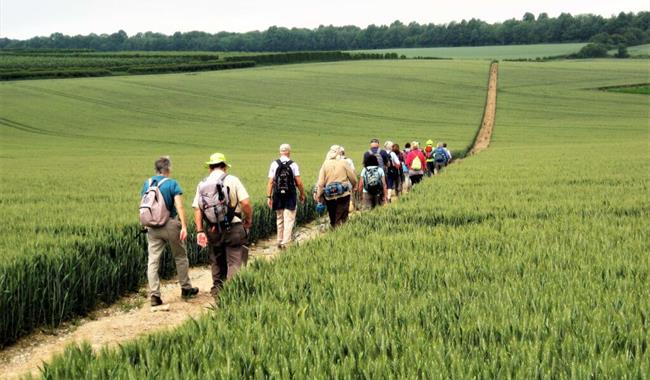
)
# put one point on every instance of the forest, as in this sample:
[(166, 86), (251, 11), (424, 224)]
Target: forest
[(624, 29)]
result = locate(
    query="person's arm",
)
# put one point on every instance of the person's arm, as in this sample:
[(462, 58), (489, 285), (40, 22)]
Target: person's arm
[(247, 210), (201, 238), (383, 181), (360, 187), (301, 189), (352, 176), (269, 192), (178, 203)]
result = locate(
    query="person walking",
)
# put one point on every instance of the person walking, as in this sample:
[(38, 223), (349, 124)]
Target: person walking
[(335, 183), (162, 197), (400, 172), (375, 150), (223, 214), (441, 157), (391, 171), (284, 178), (372, 184), (444, 145), (415, 161), (428, 154)]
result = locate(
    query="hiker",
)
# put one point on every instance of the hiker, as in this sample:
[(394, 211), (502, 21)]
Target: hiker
[(163, 215), (382, 155), (218, 205), (372, 184), (402, 168), (407, 148), (440, 157), (391, 171), (415, 161), (428, 153), (444, 145), (284, 178), (336, 180)]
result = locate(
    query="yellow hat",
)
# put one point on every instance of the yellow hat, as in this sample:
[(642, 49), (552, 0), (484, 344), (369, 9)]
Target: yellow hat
[(429, 142), (217, 158)]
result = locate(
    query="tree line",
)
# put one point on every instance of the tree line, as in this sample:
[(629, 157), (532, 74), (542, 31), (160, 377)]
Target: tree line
[(623, 29)]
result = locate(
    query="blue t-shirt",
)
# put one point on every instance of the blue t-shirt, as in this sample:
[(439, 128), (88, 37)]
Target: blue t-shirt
[(169, 190)]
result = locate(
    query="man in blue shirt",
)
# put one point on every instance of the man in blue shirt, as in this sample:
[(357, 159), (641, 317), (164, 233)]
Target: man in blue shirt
[(174, 233)]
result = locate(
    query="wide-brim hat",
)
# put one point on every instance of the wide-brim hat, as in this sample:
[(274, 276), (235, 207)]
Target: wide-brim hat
[(217, 158)]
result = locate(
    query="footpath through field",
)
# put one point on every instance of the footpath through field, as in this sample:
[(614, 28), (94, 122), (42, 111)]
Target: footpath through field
[(131, 316)]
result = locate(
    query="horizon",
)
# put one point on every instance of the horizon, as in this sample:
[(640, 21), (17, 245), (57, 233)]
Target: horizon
[(164, 17)]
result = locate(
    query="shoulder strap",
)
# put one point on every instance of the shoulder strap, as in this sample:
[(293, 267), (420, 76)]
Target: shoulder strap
[(161, 182)]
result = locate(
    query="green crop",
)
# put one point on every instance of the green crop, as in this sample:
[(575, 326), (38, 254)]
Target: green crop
[(75, 153), (529, 260)]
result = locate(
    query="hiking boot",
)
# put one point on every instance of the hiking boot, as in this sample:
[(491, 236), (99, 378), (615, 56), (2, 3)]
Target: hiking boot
[(156, 301), (189, 293)]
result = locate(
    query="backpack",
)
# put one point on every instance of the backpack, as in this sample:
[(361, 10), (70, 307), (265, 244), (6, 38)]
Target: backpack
[(440, 155), (416, 165), (372, 180), (285, 183), (153, 209), (380, 159), (214, 202)]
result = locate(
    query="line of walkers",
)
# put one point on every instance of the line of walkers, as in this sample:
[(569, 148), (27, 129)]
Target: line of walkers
[(385, 175), (223, 212)]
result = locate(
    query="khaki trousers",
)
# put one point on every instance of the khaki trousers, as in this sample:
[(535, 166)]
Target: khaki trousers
[(285, 220), (158, 238)]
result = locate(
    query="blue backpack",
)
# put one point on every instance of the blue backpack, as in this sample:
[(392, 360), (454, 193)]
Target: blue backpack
[(440, 155)]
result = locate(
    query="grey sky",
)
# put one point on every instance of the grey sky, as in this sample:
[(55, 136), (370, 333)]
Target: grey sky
[(27, 18)]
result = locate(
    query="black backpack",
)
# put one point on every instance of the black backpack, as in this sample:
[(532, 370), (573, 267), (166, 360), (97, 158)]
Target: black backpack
[(285, 184)]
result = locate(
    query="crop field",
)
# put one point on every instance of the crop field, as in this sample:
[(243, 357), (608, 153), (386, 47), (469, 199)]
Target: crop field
[(527, 261), (487, 52), (75, 152)]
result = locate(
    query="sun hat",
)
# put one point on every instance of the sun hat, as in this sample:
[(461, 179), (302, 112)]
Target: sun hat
[(217, 158)]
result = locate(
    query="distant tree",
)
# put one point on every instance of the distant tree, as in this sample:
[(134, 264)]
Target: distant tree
[(593, 51), (622, 52)]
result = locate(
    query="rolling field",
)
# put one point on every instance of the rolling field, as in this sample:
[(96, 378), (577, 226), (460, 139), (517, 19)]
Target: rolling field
[(487, 52), (529, 260), (74, 154)]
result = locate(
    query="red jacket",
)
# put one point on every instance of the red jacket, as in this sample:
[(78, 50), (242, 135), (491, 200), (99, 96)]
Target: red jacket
[(411, 156)]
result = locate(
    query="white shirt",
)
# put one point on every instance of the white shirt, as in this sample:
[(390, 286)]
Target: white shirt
[(394, 158), (274, 167), (448, 153), (237, 192)]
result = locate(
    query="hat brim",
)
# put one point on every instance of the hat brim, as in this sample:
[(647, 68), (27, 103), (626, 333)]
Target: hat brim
[(208, 163)]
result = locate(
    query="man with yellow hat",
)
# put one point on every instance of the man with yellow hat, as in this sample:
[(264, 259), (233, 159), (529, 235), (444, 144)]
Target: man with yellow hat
[(223, 214)]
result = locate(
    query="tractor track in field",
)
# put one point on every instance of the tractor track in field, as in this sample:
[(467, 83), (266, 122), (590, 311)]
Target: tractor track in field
[(132, 317), (484, 135)]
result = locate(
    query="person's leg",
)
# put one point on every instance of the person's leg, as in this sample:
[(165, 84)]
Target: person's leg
[(331, 211), (430, 166), (179, 250), (366, 201), (156, 246), (342, 210), (217, 259), (279, 221), (235, 239), (289, 221)]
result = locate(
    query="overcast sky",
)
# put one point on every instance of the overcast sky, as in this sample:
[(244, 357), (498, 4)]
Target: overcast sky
[(23, 19)]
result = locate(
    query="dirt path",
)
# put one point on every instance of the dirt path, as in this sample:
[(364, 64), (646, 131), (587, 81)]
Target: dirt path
[(485, 133), (130, 316)]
